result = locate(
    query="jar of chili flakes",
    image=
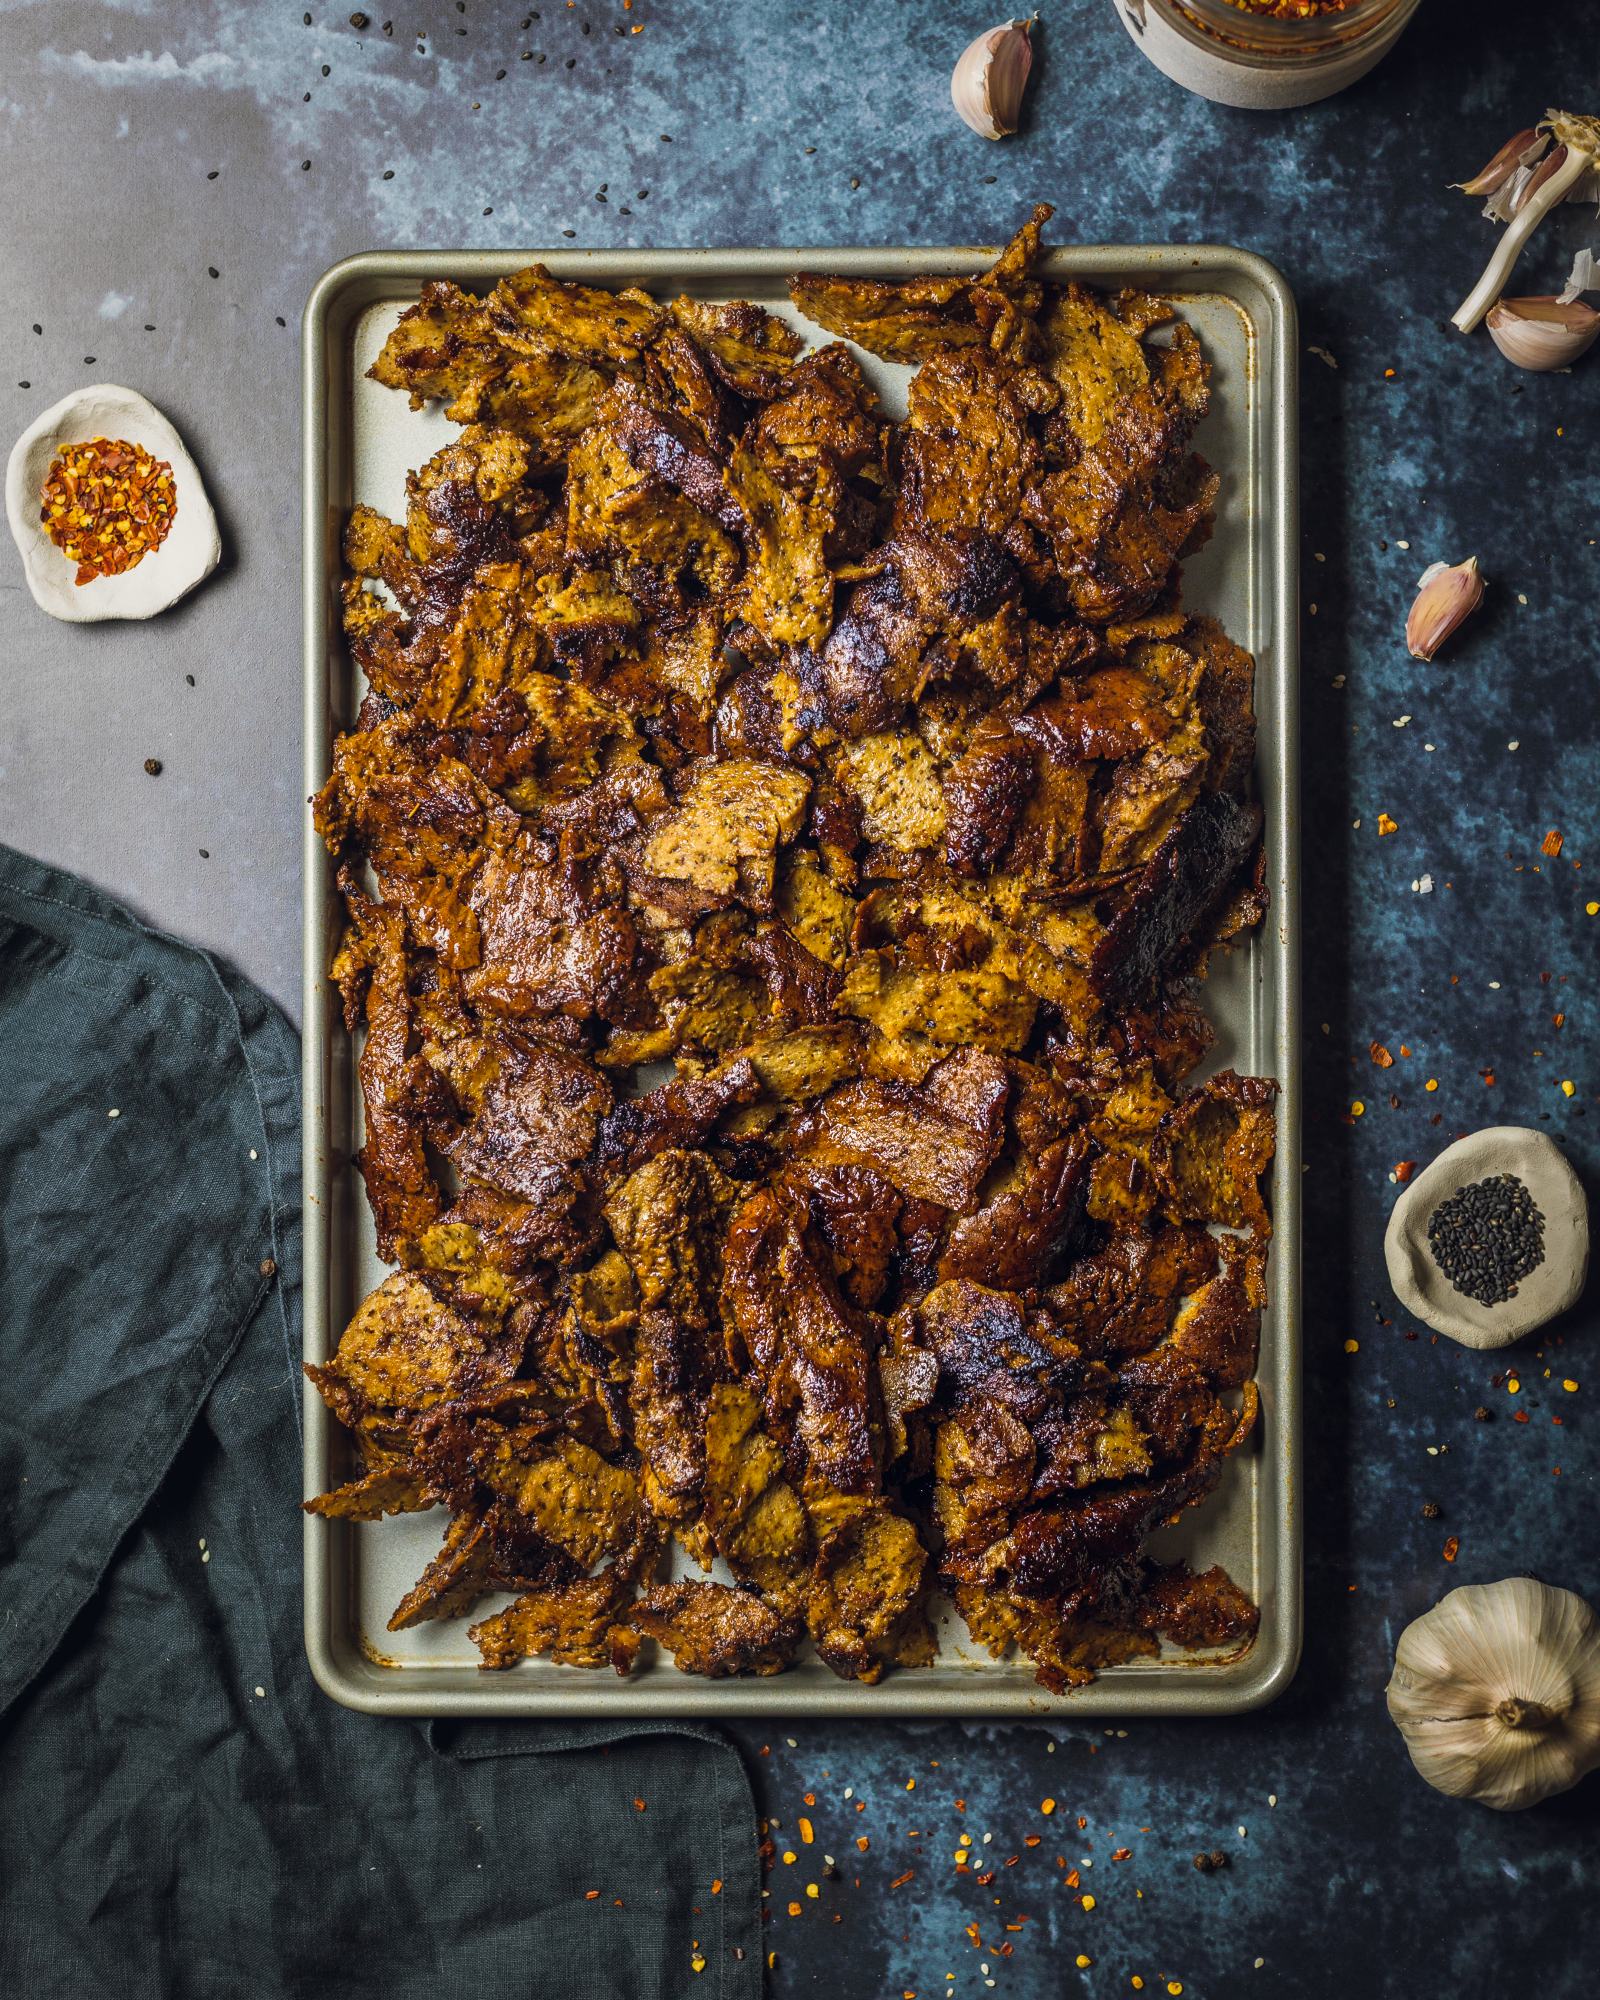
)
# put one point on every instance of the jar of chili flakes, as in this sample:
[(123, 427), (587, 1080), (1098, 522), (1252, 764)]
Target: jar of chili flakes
[(1265, 55), (107, 504)]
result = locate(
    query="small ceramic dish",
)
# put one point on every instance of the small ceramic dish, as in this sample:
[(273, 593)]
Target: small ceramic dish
[(192, 546), (1423, 1288)]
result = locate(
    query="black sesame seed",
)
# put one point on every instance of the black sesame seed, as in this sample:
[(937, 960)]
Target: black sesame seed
[(1486, 1237)]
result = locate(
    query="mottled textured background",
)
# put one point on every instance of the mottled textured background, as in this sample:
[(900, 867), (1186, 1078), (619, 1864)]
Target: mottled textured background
[(175, 177)]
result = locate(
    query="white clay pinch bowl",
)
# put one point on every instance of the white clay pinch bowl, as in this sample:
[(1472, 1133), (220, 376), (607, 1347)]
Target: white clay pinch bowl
[(186, 557)]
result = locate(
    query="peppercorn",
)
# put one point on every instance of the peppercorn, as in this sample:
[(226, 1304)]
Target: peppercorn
[(1481, 1414), (1430, 1510), (1208, 1864), (153, 766)]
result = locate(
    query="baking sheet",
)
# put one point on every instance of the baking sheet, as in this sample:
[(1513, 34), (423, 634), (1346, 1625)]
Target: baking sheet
[(359, 442)]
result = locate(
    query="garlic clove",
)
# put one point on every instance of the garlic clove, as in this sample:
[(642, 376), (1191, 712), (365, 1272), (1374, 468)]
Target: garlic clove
[(1548, 167), (1446, 595), (991, 77), (1543, 333), (1521, 151)]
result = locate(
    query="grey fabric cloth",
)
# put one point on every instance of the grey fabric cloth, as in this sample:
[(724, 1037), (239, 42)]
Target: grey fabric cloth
[(182, 1811)]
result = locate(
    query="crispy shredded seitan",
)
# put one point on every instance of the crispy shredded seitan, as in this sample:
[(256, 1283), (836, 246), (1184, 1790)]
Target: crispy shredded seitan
[(871, 783)]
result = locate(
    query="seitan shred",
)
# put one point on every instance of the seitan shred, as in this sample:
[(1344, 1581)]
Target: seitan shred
[(780, 850)]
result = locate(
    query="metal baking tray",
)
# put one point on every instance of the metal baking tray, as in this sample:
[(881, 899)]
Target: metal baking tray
[(359, 441)]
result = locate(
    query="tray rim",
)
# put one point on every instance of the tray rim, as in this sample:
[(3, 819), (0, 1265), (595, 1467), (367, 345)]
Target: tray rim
[(1216, 1688)]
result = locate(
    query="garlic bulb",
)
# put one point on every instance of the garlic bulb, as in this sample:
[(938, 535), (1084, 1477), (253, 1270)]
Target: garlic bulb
[(1543, 333), (1496, 1691), (991, 77)]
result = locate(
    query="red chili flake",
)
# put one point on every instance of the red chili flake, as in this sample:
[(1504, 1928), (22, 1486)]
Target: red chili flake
[(1387, 825), (1404, 1169), (1072, 1878), (1558, 1020), (1521, 1417), (1551, 844), (1404, 1050), (1380, 1055), (1122, 1853), (1488, 1077), (973, 1933), (900, 1881), (1032, 1839), (986, 1878), (107, 504), (1450, 1549), (1005, 1950), (1011, 1861), (1082, 1822), (638, 1805), (591, 1895)]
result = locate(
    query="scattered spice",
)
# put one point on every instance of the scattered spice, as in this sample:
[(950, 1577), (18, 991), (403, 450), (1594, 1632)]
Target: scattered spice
[(1208, 1864), (1451, 1549), (106, 504), (1430, 1510), (153, 766)]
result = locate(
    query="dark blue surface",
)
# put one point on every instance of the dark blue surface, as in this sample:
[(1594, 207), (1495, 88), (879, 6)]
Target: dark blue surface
[(1359, 1880)]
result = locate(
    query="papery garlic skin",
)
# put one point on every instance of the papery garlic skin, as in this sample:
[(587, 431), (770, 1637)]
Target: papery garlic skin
[(1520, 151), (989, 80), (1583, 277), (1446, 595), (1496, 1691), (1543, 333)]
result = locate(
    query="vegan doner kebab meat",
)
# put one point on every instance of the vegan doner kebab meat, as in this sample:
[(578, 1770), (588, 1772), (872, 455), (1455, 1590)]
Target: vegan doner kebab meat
[(781, 850)]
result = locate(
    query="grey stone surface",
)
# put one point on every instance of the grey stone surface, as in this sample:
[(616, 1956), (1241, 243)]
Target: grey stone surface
[(1455, 937)]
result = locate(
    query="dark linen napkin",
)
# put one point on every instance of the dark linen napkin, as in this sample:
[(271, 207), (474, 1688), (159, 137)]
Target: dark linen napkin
[(182, 1812)]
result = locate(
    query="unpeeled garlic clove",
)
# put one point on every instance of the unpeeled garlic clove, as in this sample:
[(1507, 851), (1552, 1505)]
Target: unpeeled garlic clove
[(1548, 167), (1446, 595), (1543, 333), (989, 80), (1521, 151)]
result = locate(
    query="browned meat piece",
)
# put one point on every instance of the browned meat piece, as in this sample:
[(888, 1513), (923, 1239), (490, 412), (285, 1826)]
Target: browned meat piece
[(985, 790), (610, 327), (1208, 1610), (386, 1489), (575, 1623), (936, 1140), (712, 1630), (441, 346), (1213, 1147), (752, 1513), (680, 1115), (550, 943), (920, 317), (1184, 881), (539, 1118), (927, 590), (721, 841), (1218, 1329), (867, 1609), (1016, 1240), (572, 1497), (1111, 712), (800, 1340), (405, 1351), (968, 455), (750, 350), (855, 1211), (456, 1578), (398, 1093), (1121, 1300)]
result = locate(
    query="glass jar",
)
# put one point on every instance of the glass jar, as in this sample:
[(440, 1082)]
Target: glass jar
[(1261, 61)]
